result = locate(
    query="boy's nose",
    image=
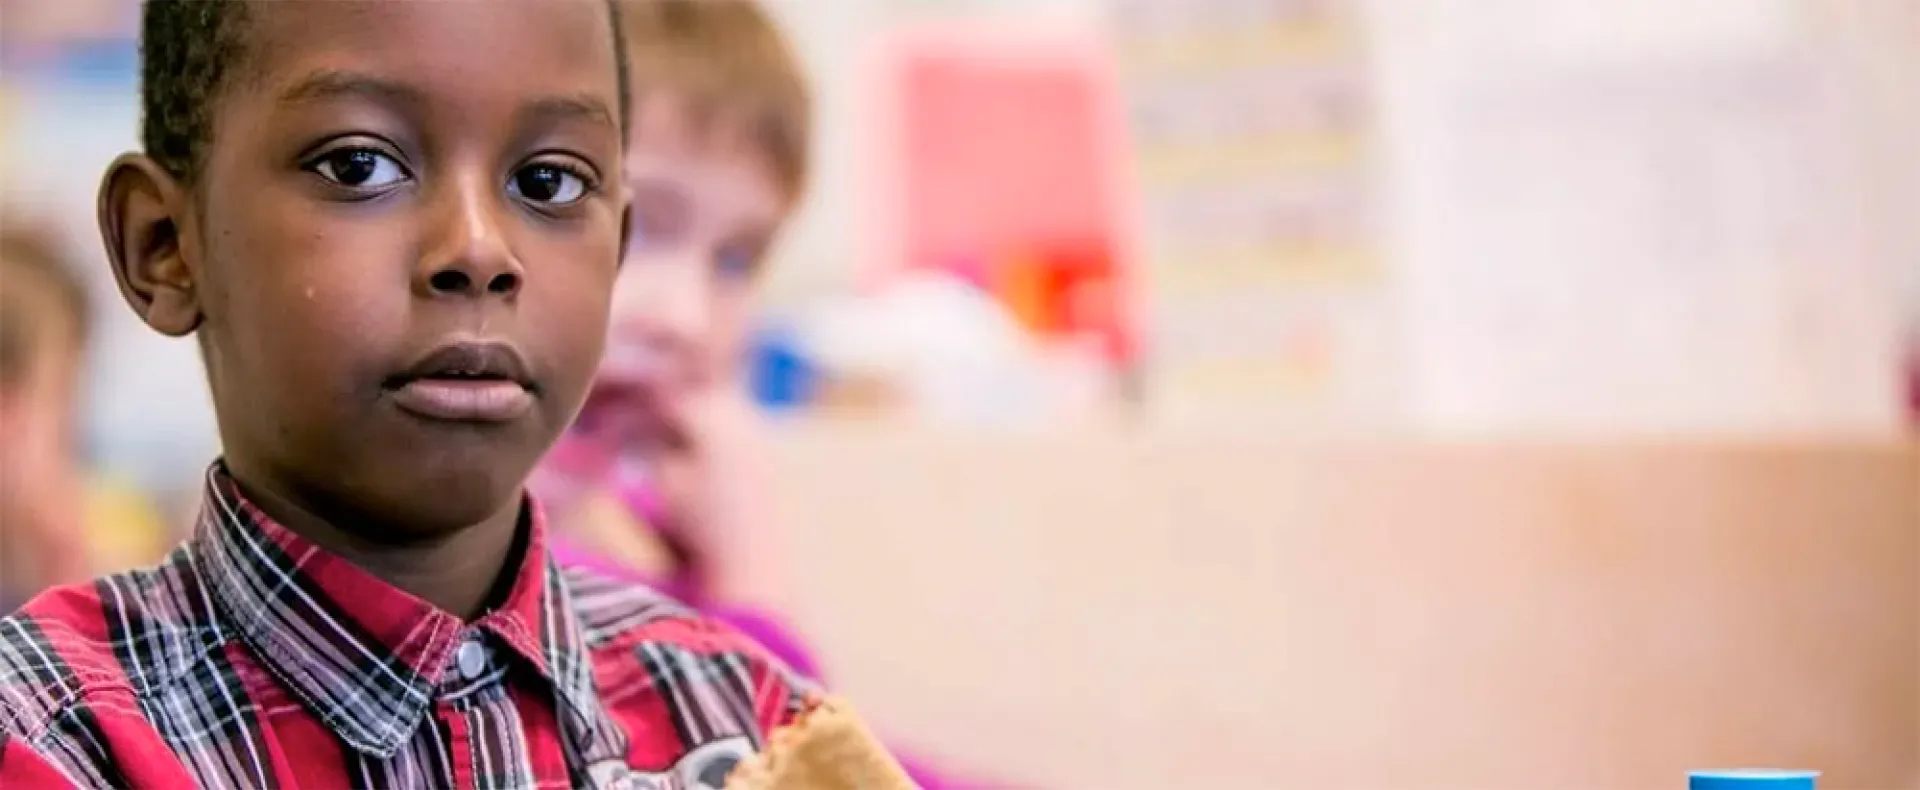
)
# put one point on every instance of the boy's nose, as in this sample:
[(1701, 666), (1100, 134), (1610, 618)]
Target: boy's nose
[(468, 254), (663, 307)]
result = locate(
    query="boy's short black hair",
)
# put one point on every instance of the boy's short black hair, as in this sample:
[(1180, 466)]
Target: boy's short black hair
[(190, 51)]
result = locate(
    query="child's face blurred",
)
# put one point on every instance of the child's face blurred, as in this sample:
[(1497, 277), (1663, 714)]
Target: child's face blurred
[(37, 409), (705, 209), (40, 479), (400, 256)]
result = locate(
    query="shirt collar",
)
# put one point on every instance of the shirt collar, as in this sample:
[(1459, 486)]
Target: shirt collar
[(365, 656)]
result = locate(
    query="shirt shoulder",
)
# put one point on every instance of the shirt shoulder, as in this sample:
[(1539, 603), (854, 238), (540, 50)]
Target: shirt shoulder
[(611, 608), (130, 633), (23, 767), (645, 643)]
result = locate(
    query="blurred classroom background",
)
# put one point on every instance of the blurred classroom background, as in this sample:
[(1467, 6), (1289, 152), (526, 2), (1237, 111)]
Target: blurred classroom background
[(1260, 393)]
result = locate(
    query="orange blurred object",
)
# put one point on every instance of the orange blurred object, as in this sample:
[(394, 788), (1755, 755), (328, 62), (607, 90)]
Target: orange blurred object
[(1062, 293)]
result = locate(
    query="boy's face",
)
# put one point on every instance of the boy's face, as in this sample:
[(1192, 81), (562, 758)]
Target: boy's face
[(401, 252), (706, 207)]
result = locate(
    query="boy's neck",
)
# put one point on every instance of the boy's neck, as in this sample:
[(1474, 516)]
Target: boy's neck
[(466, 572)]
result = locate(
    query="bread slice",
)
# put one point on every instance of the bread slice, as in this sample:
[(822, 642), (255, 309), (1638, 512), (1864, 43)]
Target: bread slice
[(827, 748)]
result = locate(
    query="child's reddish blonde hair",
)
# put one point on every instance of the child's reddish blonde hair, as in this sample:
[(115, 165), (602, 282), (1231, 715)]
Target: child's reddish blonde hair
[(728, 62)]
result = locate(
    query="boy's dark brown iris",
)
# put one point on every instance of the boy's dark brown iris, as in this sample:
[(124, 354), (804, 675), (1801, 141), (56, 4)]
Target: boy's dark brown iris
[(541, 183), (353, 168)]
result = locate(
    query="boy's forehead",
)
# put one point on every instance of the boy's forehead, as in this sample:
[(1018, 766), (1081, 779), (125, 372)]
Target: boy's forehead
[(671, 126), (476, 48)]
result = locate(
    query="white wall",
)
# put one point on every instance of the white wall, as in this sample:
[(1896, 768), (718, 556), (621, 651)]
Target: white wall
[(1643, 217)]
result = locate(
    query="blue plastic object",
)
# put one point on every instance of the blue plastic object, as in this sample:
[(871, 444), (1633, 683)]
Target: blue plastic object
[(1752, 779), (779, 372)]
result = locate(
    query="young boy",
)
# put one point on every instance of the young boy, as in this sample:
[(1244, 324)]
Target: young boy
[(393, 228)]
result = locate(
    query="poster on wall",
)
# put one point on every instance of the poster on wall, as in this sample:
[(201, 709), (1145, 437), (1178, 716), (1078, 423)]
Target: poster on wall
[(999, 159), (1253, 126), (1677, 229)]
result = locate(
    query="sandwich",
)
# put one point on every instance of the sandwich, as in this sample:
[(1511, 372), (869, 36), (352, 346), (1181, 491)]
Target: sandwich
[(826, 748)]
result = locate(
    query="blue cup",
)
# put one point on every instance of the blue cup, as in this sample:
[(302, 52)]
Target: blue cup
[(1751, 779)]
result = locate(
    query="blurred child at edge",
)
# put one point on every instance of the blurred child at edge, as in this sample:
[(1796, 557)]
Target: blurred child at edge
[(56, 525), (661, 475)]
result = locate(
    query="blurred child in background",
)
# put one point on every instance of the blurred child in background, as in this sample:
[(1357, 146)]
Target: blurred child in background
[(662, 475), (43, 326), (56, 526)]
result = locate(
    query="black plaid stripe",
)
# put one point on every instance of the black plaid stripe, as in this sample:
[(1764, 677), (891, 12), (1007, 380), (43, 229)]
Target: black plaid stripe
[(71, 735), (705, 694), (734, 682), (710, 696), (28, 698), (212, 723), (495, 734), (425, 763), (606, 608), (136, 643), (351, 679)]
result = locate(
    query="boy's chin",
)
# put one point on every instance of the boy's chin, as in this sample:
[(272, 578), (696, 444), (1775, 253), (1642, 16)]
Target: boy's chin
[(456, 512), (447, 499)]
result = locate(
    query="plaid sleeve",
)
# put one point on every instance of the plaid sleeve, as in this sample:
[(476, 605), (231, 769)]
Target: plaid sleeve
[(780, 693), (23, 767)]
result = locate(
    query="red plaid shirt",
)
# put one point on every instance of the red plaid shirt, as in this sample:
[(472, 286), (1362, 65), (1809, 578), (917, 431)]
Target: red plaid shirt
[(252, 658)]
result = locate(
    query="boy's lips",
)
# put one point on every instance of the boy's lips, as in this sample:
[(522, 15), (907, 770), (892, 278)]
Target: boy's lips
[(464, 400), (466, 381)]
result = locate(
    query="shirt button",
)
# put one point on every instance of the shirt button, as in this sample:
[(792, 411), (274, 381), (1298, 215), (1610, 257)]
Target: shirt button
[(472, 660)]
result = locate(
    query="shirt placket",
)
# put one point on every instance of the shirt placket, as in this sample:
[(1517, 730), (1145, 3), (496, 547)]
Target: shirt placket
[(484, 735)]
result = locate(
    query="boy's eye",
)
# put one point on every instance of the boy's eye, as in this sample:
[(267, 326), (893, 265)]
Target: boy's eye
[(551, 184), (360, 168), (739, 257), (735, 263)]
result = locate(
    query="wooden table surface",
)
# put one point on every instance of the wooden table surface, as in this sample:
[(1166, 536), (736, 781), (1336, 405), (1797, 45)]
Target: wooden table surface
[(1145, 610)]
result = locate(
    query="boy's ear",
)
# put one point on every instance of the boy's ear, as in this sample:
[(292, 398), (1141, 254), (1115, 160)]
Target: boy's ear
[(144, 214), (626, 228)]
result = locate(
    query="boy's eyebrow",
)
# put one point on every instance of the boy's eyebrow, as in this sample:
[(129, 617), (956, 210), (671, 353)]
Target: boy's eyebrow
[(584, 106), (331, 84)]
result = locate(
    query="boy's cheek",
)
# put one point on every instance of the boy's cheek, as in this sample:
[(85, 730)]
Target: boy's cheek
[(732, 331), (16, 452), (35, 446)]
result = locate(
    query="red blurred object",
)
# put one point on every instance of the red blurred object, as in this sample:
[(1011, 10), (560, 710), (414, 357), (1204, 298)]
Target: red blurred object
[(1002, 159), (1913, 382), (1002, 154)]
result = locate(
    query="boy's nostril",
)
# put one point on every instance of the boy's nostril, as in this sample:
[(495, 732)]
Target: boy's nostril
[(449, 281), (504, 284)]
